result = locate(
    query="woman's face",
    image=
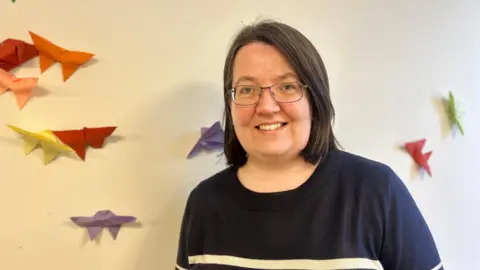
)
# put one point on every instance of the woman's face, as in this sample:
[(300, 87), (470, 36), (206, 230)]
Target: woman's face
[(257, 127)]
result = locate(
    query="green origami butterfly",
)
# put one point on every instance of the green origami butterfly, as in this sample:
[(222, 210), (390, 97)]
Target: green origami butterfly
[(453, 113)]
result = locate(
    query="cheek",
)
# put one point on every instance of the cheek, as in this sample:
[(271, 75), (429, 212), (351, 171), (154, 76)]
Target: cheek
[(242, 117), (298, 112), (300, 117)]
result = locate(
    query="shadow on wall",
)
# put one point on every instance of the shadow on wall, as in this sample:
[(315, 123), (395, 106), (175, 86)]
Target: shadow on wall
[(174, 120), (159, 248)]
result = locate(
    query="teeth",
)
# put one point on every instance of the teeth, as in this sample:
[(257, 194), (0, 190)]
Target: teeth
[(270, 127)]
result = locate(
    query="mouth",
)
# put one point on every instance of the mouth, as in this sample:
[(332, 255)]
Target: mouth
[(271, 127)]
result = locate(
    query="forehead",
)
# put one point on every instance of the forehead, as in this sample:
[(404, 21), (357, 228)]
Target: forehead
[(261, 63)]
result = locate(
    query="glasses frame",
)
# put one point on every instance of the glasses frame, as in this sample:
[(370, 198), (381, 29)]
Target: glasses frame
[(232, 93)]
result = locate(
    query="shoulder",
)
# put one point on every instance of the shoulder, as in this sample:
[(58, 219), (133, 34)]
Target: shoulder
[(209, 191), (365, 171), (363, 167), (370, 179)]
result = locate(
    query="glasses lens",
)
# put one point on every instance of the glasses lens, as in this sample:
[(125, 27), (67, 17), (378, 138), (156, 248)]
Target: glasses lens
[(246, 94), (287, 92)]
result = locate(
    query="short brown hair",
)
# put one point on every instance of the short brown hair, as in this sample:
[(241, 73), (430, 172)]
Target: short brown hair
[(309, 66)]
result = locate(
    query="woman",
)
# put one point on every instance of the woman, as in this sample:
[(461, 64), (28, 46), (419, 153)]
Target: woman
[(290, 199)]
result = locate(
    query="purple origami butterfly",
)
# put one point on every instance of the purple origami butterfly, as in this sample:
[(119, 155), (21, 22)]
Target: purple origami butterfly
[(211, 138), (103, 219)]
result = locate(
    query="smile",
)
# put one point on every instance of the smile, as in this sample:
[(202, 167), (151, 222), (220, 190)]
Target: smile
[(270, 127)]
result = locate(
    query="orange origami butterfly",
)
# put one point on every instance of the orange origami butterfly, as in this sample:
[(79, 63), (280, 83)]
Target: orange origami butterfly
[(79, 139), (21, 87), (50, 53)]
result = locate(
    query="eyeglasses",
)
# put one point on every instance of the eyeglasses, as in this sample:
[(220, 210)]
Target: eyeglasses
[(246, 95)]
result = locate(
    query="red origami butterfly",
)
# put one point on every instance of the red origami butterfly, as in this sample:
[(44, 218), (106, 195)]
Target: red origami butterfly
[(79, 139), (14, 53), (415, 148)]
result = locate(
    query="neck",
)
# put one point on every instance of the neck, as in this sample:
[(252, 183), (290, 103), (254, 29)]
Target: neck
[(275, 175), (274, 165)]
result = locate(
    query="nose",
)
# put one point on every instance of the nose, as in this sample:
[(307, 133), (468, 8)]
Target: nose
[(267, 104)]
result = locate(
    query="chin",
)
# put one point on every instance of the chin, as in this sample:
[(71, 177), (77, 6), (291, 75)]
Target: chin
[(272, 150)]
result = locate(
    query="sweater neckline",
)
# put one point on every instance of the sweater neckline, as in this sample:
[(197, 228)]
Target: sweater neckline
[(286, 200)]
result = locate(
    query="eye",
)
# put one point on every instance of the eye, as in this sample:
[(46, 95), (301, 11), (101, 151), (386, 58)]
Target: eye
[(289, 87), (245, 89)]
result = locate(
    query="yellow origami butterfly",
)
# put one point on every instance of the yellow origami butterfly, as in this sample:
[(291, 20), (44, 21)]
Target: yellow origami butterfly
[(453, 113), (46, 139)]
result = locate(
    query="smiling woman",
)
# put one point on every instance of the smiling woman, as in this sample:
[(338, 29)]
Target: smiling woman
[(290, 199)]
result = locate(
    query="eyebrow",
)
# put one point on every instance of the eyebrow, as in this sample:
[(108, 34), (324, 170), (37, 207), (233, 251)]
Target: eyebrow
[(252, 78), (244, 78), (287, 75)]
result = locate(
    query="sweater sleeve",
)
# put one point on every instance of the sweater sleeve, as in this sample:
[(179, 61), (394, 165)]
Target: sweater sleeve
[(408, 242), (182, 252)]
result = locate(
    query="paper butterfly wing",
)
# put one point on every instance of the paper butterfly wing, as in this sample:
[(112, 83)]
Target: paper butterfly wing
[(83, 221), (213, 133), (117, 222), (453, 114), (95, 137), (460, 127), (48, 52), (5, 81), (25, 52), (51, 147), (8, 58), (414, 147), (214, 138), (74, 139), (195, 150), (456, 119), (87, 222), (202, 143), (31, 140), (426, 158), (46, 47), (93, 231), (108, 218), (75, 58), (214, 142), (114, 230), (22, 89), (71, 61), (211, 138), (15, 52), (215, 128)]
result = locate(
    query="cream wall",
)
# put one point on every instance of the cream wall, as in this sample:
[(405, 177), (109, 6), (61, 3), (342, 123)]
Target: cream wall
[(158, 77)]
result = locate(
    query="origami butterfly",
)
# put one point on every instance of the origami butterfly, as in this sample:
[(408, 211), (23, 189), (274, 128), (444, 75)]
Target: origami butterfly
[(414, 148), (79, 139), (50, 53), (21, 87), (453, 114), (14, 52), (46, 139), (103, 219), (211, 138)]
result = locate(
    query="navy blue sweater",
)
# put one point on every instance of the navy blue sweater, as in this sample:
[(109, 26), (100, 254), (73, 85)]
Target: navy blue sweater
[(352, 213)]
